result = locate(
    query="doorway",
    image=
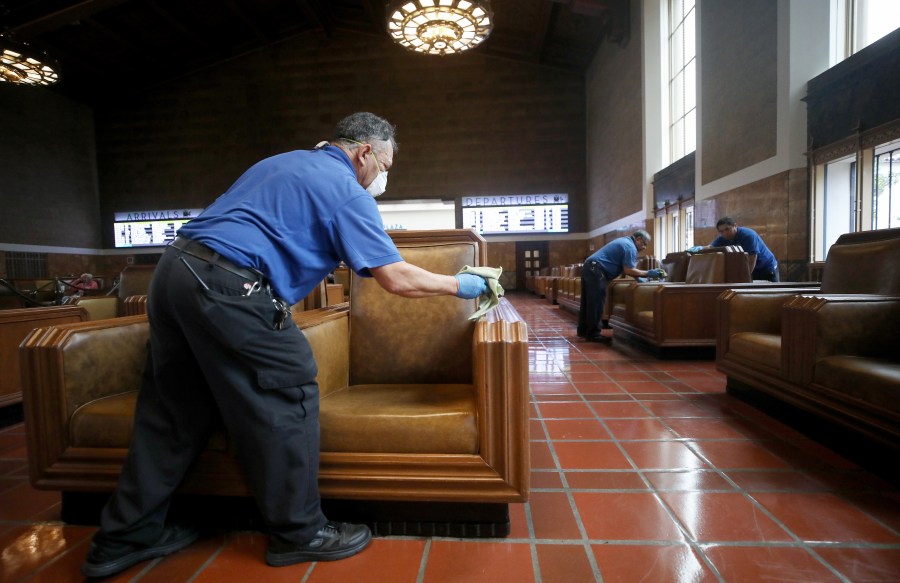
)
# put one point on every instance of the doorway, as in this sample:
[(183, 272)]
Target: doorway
[(531, 257)]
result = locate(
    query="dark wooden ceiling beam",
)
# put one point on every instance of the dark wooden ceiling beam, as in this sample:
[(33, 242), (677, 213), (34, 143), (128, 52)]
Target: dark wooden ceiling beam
[(192, 36), (542, 29), (248, 22), (121, 40), (313, 15), (61, 18), (376, 14)]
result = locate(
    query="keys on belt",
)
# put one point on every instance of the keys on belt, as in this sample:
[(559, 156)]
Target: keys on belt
[(282, 315)]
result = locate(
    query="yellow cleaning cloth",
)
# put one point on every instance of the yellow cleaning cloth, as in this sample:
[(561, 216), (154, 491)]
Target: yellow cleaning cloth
[(488, 301)]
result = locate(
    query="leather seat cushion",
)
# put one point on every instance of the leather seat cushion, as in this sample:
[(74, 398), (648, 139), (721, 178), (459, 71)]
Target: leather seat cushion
[(873, 380), (109, 422), (422, 418), (415, 418), (757, 347)]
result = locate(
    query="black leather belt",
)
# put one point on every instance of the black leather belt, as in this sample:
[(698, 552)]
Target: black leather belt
[(201, 251)]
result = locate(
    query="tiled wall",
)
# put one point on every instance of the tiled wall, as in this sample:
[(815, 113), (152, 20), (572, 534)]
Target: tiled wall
[(614, 121), (776, 208), (738, 86)]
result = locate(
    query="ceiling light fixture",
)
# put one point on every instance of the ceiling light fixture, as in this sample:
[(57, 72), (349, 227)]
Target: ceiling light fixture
[(20, 64), (439, 27)]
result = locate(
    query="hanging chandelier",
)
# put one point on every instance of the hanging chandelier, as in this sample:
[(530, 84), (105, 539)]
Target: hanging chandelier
[(22, 65), (439, 27)]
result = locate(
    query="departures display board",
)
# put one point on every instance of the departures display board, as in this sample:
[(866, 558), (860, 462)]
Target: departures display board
[(527, 213)]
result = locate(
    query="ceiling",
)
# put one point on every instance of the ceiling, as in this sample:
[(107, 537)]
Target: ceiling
[(109, 47)]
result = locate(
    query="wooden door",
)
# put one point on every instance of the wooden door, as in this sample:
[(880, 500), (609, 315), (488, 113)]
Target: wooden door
[(531, 257)]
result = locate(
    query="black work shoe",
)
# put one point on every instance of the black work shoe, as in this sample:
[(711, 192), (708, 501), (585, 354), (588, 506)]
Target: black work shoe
[(335, 540), (103, 562), (599, 338)]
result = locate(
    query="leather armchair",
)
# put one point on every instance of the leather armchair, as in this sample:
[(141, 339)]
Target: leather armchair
[(833, 351), (417, 402)]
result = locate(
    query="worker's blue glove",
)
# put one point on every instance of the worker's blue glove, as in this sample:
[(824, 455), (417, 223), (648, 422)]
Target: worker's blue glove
[(696, 249), (656, 273), (470, 286)]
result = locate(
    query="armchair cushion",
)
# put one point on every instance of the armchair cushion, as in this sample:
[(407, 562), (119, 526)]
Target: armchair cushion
[(400, 419), (395, 340)]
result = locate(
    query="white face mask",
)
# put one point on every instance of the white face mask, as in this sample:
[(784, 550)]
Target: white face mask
[(379, 185)]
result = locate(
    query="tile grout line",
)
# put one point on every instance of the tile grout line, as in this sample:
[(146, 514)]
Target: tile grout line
[(688, 539), (209, 560), (423, 562), (592, 560), (800, 543)]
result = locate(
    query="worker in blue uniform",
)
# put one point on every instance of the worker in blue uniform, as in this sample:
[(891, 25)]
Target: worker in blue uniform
[(763, 265), (223, 347), (609, 262)]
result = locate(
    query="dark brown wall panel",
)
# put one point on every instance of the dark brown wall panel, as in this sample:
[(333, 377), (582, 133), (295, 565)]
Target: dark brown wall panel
[(48, 193)]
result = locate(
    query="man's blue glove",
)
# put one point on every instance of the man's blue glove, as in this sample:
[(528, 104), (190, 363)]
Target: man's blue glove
[(470, 286), (656, 273), (696, 249)]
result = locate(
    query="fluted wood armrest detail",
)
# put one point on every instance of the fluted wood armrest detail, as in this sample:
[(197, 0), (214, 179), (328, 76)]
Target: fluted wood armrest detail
[(849, 325)]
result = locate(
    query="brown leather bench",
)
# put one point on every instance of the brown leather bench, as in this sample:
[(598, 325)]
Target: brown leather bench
[(832, 351), (418, 403)]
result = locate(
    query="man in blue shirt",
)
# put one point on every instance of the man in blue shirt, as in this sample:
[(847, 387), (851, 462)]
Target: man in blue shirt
[(763, 264), (599, 269), (223, 345)]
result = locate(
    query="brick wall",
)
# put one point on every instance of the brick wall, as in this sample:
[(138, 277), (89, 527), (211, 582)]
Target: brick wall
[(467, 125), (48, 192)]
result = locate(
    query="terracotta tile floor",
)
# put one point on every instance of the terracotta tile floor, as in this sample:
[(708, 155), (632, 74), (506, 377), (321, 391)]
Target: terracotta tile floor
[(642, 470)]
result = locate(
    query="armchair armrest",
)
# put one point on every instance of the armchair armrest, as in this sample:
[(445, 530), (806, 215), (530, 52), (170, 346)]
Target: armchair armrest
[(328, 332), (751, 310), (851, 325), (66, 366), (500, 375), (641, 296)]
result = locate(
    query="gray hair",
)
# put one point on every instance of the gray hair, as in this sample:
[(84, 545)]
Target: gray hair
[(364, 127), (642, 234)]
